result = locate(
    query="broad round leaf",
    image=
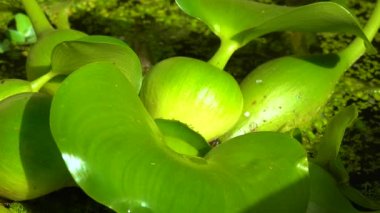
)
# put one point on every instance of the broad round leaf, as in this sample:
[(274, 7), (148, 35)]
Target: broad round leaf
[(194, 92), (272, 165), (243, 20), (118, 156), (279, 95), (30, 163)]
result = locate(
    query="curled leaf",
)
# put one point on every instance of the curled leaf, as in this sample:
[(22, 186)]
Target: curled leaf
[(180, 131), (119, 157), (70, 55)]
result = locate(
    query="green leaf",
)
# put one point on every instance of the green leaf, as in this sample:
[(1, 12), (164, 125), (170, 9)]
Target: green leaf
[(259, 159), (9, 87), (358, 198), (325, 196), (242, 21), (103, 39), (118, 156), (24, 32), (176, 129), (70, 55), (38, 61), (205, 98), (30, 163), (16, 37), (330, 142), (24, 25)]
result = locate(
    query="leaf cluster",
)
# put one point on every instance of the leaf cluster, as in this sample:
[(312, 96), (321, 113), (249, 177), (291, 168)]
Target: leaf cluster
[(156, 29), (359, 86)]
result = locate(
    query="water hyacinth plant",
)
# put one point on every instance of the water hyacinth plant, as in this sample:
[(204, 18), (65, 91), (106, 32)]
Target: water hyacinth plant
[(279, 87), (86, 117)]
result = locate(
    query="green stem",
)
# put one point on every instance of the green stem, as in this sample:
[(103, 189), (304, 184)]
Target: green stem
[(357, 48), (37, 16), (224, 53), (63, 20), (38, 83)]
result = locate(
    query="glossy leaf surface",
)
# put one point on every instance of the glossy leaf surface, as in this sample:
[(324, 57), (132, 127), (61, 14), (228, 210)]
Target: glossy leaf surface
[(39, 58), (30, 163), (198, 94), (243, 20), (279, 95), (118, 156), (9, 87), (69, 56)]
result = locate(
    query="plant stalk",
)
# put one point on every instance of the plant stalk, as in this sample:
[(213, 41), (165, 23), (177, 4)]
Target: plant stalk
[(224, 53), (38, 83), (37, 16), (357, 48), (63, 20)]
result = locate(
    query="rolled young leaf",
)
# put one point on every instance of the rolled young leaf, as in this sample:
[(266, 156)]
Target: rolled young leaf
[(189, 138), (118, 156), (30, 163), (329, 144)]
